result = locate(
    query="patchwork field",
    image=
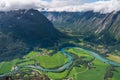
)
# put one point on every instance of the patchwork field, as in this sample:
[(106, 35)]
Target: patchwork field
[(97, 71), (84, 66), (35, 58)]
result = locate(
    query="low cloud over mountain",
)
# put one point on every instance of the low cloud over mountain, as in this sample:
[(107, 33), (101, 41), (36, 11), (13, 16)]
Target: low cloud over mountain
[(103, 6)]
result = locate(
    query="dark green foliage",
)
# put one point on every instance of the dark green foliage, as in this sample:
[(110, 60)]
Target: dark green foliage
[(22, 30), (9, 48), (109, 72)]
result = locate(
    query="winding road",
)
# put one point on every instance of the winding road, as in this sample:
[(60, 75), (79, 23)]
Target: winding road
[(97, 56)]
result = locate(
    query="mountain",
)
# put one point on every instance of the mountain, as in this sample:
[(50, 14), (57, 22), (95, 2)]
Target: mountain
[(23, 30), (96, 27)]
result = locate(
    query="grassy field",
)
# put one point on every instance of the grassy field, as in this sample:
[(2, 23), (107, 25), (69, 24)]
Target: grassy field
[(78, 73), (80, 53), (32, 55), (56, 60), (57, 76), (45, 61), (116, 75), (82, 73), (26, 63), (97, 71), (6, 67), (77, 70)]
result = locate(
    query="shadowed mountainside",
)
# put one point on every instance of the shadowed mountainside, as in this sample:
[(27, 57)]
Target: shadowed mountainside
[(23, 30)]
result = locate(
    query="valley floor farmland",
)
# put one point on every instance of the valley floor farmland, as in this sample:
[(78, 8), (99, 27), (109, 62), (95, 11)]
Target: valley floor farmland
[(84, 66)]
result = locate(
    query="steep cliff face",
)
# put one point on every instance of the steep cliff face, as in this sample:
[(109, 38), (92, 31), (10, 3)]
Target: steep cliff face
[(93, 25), (22, 30)]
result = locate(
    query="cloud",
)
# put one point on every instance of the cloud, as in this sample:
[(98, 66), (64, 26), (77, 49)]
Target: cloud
[(18, 4), (98, 6), (102, 6)]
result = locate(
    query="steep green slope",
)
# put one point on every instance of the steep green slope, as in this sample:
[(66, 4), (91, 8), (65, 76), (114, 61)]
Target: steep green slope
[(23, 30)]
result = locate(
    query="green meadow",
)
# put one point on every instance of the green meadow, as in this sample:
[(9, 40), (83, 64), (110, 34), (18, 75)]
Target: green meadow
[(96, 71)]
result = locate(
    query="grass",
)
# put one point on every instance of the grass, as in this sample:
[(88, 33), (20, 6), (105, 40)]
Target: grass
[(116, 75), (31, 55), (57, 76), (46, 61), (26, 63), (76, 70), (114, 58), (6, 67), (56, 60), (82, 73), (96, 73), (80, 53)]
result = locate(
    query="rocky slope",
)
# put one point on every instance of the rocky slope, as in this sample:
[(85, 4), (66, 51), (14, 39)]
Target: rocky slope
[(95, 26)]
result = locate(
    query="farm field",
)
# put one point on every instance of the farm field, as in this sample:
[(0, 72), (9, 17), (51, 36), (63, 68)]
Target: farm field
[(34, 58), (114, 58), (83, 67), (83, 73), (54, 61), (116, 75)]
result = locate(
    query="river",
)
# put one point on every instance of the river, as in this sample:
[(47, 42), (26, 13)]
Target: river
[(70, 61)]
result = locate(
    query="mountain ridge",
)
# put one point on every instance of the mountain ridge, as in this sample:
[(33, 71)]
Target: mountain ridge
[(94, 25), (23, 30)]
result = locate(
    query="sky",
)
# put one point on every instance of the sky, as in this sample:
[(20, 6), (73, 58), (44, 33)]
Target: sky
[(103, 6)]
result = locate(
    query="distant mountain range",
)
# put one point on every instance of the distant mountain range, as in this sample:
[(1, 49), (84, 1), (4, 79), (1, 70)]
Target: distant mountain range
[(96, 27), (23, 30)]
